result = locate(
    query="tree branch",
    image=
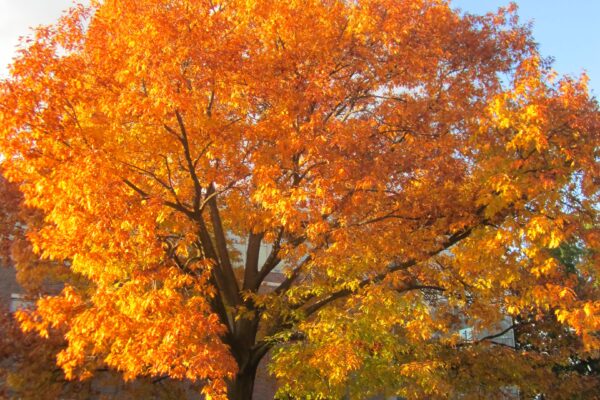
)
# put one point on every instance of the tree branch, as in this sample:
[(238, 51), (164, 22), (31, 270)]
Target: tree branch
[(272, 260), (452, 240), (146, 196), (252, 256), (287, 283), (190, 163), (221, 240), (492, 337)]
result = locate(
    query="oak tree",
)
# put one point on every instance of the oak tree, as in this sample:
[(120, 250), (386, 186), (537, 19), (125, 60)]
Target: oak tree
[(408, 168), (28, 367), (28, 371)]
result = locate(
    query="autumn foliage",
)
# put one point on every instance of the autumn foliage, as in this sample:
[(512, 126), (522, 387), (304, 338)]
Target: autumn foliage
[(411, 170)]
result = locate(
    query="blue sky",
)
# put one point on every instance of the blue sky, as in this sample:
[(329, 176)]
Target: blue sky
[(565, 30)]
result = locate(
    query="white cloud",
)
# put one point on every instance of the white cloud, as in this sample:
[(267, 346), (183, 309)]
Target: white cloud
[(17, 17)]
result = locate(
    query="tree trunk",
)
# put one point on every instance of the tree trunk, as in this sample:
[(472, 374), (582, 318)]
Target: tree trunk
[(243, 385)]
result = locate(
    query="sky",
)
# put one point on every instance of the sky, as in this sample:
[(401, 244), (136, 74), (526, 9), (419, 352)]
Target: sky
[(565, 30), (17, 16)]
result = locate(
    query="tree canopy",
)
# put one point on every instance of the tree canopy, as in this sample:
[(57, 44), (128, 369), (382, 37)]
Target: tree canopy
[(411, 169)]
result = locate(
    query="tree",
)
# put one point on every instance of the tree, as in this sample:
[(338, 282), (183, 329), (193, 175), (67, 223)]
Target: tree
[(28, 368), (28, 371), (410, 168)]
